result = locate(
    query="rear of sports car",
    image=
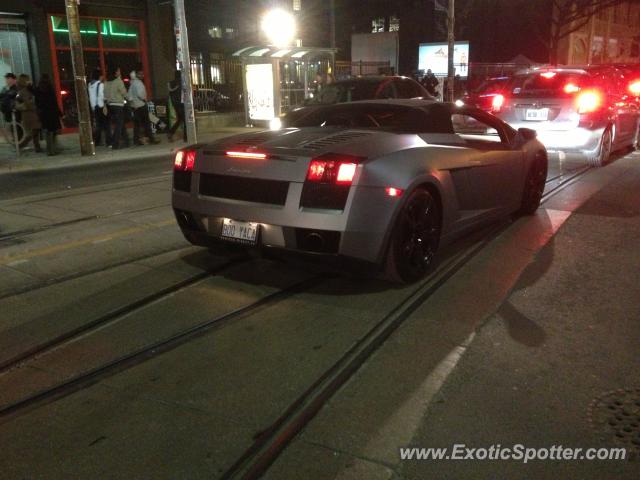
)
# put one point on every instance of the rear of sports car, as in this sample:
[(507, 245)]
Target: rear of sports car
[(300, 190)]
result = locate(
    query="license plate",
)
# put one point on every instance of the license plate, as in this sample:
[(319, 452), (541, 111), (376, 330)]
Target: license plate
[(243, 232), (537, 114)]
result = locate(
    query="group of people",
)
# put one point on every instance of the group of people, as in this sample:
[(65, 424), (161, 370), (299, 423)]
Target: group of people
[(35, 108), (431, 83)]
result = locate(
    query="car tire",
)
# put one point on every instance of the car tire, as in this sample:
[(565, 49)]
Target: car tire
[(534, 184), (415, 238), (601, 157), (636, 138)]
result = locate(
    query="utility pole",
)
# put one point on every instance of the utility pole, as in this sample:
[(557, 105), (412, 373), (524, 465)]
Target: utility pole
[(182, 44), (80, 80), (333, 23), (451, 23)]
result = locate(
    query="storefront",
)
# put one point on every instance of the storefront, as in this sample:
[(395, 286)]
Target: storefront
[(14, 46), (107, 43)]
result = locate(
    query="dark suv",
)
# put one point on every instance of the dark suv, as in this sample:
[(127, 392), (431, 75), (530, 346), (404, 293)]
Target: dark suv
[(577, 111)]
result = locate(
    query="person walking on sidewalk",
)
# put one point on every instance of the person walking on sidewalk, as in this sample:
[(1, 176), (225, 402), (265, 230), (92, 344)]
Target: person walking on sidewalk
[(114, 94), (175, 96), (138, 100), (49, 111), (99, 109), (8, 103), (26, 105)]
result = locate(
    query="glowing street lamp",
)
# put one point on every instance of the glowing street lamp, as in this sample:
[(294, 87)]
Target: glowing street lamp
[(280, 27)]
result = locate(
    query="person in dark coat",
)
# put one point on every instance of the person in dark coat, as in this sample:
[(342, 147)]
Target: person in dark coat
[(49, 111), (176, 98), (26, 105)]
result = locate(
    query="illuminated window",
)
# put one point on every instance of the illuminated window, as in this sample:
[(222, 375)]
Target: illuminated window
[(377, 25), (216, 68), (394, 24), (197, 69), (215, 32), (229, 32), (297, 5), (298, 42)]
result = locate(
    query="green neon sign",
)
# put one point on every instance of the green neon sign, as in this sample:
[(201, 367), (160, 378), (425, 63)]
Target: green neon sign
[(107, 29)]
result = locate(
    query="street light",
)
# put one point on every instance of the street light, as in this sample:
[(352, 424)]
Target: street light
[(280, 27)]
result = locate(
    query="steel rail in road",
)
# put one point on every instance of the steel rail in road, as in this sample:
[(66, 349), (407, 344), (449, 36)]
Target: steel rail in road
[(268, 446), (95, 375), (112, 316)]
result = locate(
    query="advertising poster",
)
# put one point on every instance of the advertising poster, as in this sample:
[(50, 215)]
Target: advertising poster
[(260, 91), (435, 56)]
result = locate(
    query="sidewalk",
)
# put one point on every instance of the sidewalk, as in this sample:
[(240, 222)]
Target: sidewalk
[(70, 156)]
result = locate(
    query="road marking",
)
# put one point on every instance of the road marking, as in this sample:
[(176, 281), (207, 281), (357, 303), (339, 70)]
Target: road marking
[(12, 259), (17, 262)]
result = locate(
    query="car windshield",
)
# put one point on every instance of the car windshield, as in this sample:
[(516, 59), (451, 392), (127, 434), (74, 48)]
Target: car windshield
[(548, 84), (347, 92), (393, 118)]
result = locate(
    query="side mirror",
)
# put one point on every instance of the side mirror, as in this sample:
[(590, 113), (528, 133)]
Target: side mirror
[(527, 134)]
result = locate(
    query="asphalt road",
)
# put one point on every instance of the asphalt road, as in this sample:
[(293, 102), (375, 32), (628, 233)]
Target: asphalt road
[(127, 353)]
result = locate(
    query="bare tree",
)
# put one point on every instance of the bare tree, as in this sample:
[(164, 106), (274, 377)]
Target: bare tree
[(569, 16)]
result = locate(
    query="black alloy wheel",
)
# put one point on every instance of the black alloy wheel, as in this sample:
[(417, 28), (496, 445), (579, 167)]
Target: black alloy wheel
[(534, 184), (415, 238)]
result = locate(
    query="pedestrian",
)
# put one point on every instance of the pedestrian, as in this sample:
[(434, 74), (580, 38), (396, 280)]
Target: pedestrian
[(176, 99), (8, 102), (49, 111), (26, 105), (99, 109), (114, 94), (430, 83), (138, 100)]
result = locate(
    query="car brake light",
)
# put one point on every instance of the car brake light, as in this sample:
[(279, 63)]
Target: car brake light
[(393, 192), (634, 88), (248, 155), (548, 75), (184, 161), (571, 88), (497, 103), (333, 168), (589, 102)]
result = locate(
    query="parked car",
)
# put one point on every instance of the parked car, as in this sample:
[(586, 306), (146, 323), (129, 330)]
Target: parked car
[(578, 111), (377, 182), (489, 95)]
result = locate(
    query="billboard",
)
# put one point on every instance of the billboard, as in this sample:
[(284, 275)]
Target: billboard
[(435, 56), (261, 101)]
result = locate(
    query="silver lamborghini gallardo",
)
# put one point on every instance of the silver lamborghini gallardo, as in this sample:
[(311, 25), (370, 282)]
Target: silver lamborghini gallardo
[(383, 182)]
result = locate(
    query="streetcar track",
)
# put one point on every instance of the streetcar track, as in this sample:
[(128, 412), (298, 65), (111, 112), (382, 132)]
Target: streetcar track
[(111, 317), (95, 375), (270, 443), (41, 228), (76, 275)]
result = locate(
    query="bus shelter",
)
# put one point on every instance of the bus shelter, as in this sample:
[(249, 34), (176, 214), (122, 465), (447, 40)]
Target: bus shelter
[(275, 80)]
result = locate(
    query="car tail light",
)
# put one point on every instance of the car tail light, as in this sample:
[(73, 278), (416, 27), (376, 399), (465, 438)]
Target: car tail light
[(589, 102), (571, 88), (548, 75), (497, 103), (247, 155), (634, 88), (333, 168), (393, 192), (184, 161)]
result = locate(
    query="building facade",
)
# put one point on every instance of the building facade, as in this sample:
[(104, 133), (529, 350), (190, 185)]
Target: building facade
[(611, 36), (34, 39)]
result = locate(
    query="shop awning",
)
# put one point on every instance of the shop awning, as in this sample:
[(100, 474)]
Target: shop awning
[(283, 53)]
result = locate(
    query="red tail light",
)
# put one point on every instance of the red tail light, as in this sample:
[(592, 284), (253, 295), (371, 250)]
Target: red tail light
[(589, 101), (333, 168), (497, 103), (571, 88), (634, 88), (548, 75), (247, 155), (184, 161)]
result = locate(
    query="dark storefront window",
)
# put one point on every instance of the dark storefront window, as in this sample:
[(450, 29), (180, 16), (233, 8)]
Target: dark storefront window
[(107, 43)]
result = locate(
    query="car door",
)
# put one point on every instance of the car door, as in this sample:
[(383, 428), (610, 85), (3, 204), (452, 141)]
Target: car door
[(497, 169), (625, 112)]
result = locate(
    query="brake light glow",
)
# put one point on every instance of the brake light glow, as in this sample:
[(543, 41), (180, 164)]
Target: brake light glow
[(589, 102), (571, 88), (548, 75), (497, 103), (185, 160), (64, 92), (248, 155), (333, 168), (634, 88), (393, 192)]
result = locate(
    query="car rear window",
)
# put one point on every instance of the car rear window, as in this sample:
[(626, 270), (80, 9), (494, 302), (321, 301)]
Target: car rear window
[(382, 117), (492, 85), (547, 84), (347, 92)]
